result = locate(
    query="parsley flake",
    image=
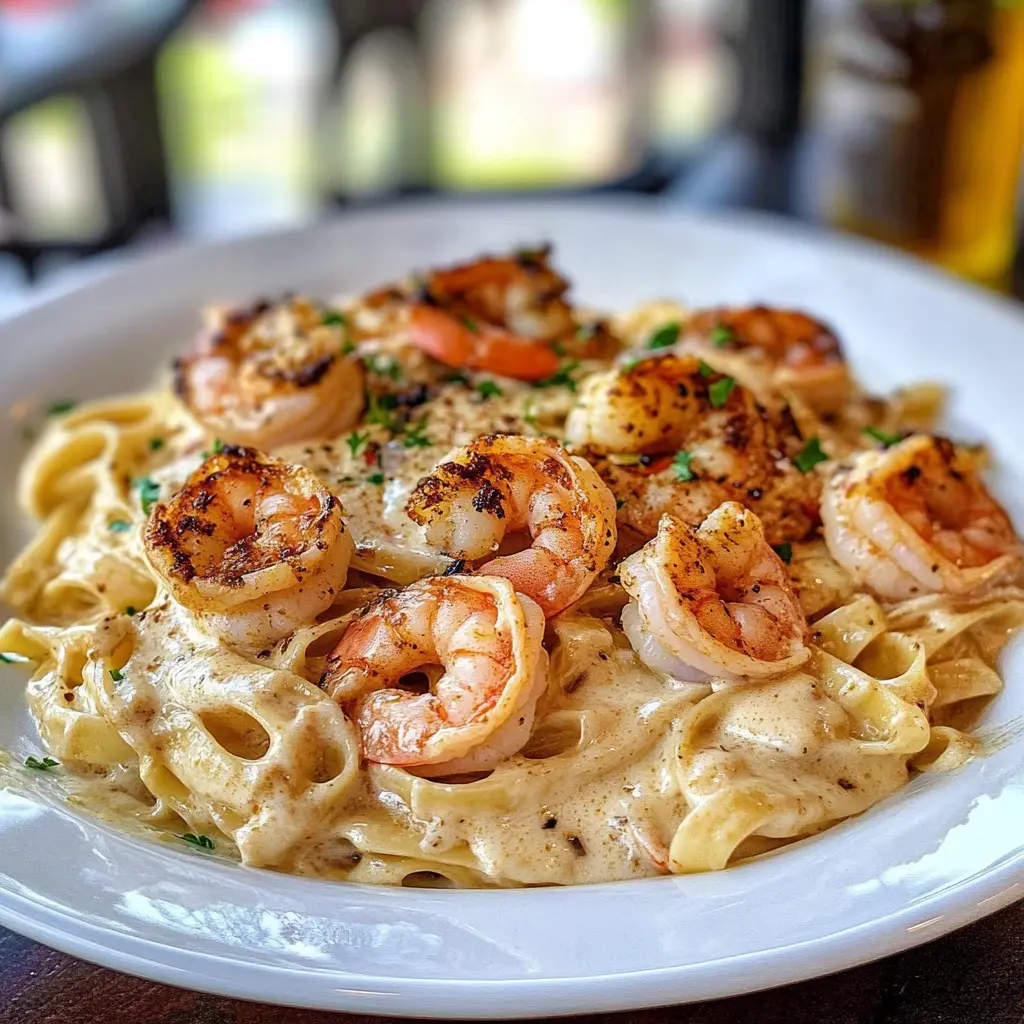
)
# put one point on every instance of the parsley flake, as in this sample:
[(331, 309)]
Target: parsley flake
[(457, 378), (202, 842), (784, 551), (809, 456), (416, 435), (664, 337), (156, 443), (118, 526), (130, 610), (705, 370), (470, 324), (619, 503), (681, 466), (530, 415), (720, 335), (488, 389), (379, 412), (44, 765), (332, 318), (375, 478), (356, 442), (348, 347), (61, 408), (562, 377), (385, 366), (885, 439), (149, 493), (720, 391), (218, 446), (116, 674)]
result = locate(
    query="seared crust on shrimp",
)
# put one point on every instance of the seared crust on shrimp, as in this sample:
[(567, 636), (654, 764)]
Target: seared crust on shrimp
[(801, 355), (505, 483), (271, 375), (253, 547), (917, 519), (713, 602), (479, 711), (672, 434)]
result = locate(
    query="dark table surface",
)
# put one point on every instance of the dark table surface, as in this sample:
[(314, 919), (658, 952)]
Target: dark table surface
[(973, 975)]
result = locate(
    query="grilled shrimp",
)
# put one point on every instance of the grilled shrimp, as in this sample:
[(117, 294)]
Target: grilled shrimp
[(671, 434), (917, 519), (506, 484), (800, 354), (495, 314), (272, 375), (713, 602), (253, 547), (488, 641)]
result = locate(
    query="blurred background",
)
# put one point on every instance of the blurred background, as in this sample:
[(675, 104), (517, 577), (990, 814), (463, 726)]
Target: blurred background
[(128, 122)]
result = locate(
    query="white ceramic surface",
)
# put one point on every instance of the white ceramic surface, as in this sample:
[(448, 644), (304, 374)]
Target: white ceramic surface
[(943, 852)]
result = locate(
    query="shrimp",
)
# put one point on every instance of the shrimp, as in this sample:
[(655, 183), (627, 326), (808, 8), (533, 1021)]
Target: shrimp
[(253, 547), (801, 354), (672, 434), (917, 519), (272, 375), (488, 641), (495, 314), (503, 484), (713, 602)]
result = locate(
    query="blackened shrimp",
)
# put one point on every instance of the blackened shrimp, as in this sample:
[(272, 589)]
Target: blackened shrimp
[(253, 547), (801, 355), (917, 519), (509, 484), (672, 434), (272, 375), (713, 602), (485, 637)]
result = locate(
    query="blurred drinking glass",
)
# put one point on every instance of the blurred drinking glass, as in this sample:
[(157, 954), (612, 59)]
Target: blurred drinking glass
[(921, 128)]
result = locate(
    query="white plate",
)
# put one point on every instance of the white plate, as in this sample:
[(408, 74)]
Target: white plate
[(943, 852)]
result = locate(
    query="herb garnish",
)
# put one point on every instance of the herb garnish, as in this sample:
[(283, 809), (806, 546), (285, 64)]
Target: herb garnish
[(379, 412), (619, 503), (665, 336), (720, 335), (385, 366), (470, 324), (720, 391), (156, 443), (809, 456), (356, 441), (561, 377), (116, 674), (705, 370), (416, 435), (44, 765), (332, 318), (458, 377), (130, 610), (885, 439), (488, 389), (203, 842), (149, 493), (784, 551), (348, 347), (118, 526), (60, 408), (375, 478), (681, 466)]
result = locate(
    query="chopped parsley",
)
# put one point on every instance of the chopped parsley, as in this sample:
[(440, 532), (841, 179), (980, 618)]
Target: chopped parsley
[(202, 842), (375, 478), (488, 389), (784, 551), (11, 658), (705, 370), (470, 324), (348, 347), (156, 443), (149, 493), (562, 377), (809, 456), (116, 674), (558, 348), (61, 408), (885, 439), (385, 366), (619, 503), (457, 378), (720, 391), (630, 362), (332, 318), (416, 435), (664, 337), (720, 335), (530, 415), (218, 446), (379, 412), (44, 765), (356, 442), (118, 526), (681, 466), (130, 610)]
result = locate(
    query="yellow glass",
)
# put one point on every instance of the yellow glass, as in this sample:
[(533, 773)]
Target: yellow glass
[(924, 127)]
